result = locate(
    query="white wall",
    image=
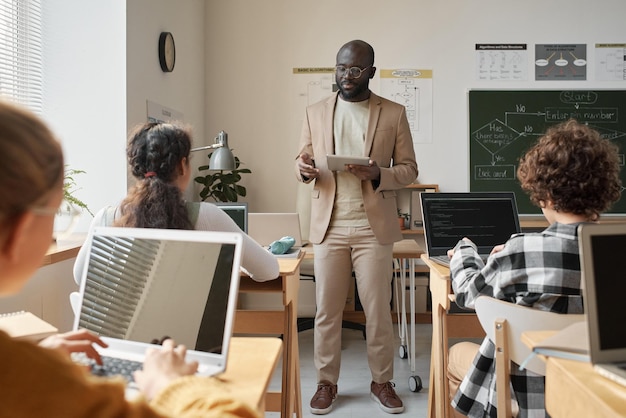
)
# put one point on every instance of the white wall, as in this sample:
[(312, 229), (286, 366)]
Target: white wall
[(184, 88), (253, 46), (85, 93), (101, 65)]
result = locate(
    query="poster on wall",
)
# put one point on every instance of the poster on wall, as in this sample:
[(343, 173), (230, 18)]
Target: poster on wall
[(610, 62), (310, 85), (501, 62), (559, 62), (413, 89)]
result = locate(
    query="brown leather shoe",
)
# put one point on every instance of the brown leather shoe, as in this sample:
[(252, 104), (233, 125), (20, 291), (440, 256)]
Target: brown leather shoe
[(322, 401), (385, 396)]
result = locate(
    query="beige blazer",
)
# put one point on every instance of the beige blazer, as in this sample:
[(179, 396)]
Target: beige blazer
[(388, 139)]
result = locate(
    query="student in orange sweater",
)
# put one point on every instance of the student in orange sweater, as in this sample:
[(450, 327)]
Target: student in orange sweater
[(37, 381)]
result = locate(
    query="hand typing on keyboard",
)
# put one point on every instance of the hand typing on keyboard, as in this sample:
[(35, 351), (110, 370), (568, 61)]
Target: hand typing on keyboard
[(81, 341), (161, 366)]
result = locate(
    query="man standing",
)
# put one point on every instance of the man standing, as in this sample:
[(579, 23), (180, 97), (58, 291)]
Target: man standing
[(354, 218)]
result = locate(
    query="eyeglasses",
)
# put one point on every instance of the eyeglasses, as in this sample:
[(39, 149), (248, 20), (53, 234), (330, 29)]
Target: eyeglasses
[(353, 72), (65, 218)]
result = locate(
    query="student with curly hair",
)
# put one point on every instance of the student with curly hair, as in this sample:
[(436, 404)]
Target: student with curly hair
[(572, 174)]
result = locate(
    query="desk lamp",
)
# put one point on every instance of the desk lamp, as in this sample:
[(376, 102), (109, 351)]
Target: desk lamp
[(222, 158)]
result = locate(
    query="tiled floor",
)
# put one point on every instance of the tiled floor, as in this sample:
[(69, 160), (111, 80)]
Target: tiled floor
[(353, 396)]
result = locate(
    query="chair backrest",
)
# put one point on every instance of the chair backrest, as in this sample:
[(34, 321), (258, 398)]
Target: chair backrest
[(504, 322)]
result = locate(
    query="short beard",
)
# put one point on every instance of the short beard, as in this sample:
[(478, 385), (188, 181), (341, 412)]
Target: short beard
[(360, 88)]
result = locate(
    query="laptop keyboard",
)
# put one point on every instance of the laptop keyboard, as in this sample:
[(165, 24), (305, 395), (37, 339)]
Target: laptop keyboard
[(445, 261), (116, 366), (111, 366), (441, 259)]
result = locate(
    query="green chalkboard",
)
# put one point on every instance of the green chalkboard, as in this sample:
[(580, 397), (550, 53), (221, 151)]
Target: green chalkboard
[(503, 124)]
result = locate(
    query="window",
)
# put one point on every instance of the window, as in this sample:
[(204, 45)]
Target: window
[(21, 52)]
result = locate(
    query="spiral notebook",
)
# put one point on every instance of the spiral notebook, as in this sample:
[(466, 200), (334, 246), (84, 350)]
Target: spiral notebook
[(143, 284), (25, 325)]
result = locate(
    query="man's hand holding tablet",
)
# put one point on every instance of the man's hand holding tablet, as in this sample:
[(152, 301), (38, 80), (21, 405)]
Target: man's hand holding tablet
[(339, 162)]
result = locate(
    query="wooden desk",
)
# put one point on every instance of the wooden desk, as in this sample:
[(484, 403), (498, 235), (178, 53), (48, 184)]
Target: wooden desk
[(574, 389), (63, 251), (282, 322), (445, 326), (251, 362)]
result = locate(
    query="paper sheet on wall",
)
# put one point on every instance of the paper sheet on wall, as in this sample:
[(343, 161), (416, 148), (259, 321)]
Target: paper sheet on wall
[(159, 113), (610, 62), (414, 89)]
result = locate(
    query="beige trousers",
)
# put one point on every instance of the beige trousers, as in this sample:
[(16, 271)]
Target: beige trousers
[(343, 250), (460, 358)]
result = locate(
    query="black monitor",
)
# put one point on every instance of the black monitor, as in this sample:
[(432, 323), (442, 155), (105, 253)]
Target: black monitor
[(238, 211)]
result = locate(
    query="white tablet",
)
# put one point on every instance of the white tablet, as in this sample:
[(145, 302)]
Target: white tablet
[(338, 162)]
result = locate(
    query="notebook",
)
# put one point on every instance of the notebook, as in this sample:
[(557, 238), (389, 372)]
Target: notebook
[(487, 218), (265, 228), (143, 284), (603, 267), (238, 211), (24, 325)]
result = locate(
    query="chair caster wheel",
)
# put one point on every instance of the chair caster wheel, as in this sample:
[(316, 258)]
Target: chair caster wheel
[(415, 383), (402, 352)]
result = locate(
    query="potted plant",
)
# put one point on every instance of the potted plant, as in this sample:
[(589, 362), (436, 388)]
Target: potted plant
[(221, 186), (68, 214), (403, 218), (70, 186)]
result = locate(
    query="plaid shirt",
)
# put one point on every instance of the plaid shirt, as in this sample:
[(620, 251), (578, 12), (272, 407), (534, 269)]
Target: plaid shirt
[(541, 270)]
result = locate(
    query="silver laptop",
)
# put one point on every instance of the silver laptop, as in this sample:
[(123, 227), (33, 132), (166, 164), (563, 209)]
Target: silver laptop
[(604, 268), (142, 285), (265, 228), (487, 218)]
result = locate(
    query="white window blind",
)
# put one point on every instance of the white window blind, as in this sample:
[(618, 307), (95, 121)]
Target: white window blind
[(117, 274), (21, 52)]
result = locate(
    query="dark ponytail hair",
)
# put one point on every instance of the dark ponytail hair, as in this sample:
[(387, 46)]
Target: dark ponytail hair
[(155, 151)]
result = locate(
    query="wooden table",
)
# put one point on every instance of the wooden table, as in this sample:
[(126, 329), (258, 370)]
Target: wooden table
[(574, 389), (251, 363), (445, 325), (280, 322), (63, 251)]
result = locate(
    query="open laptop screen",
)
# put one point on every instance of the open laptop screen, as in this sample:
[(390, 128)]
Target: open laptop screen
[(605, 284), (488, 219), (145, 284), (238, 211)]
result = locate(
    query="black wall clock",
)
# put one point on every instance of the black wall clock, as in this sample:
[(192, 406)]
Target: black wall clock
[(167, 52)]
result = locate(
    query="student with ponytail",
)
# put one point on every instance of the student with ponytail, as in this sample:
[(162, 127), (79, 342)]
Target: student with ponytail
[(158, 157)]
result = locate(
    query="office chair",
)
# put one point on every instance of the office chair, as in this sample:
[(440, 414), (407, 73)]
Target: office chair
[(504, 322)]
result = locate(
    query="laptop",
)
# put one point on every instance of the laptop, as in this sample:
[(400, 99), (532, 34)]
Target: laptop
[(487, 218), (266, 228), (603, 268), (238, 211), (144, 284)]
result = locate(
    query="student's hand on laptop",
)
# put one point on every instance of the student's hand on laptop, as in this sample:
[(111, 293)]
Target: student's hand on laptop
[(163, 365), (451, 250), (497, 249), (80, 341)]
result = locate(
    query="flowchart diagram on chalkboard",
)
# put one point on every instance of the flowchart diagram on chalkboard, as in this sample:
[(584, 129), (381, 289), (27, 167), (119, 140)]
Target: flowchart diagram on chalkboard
[(505, 123)]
